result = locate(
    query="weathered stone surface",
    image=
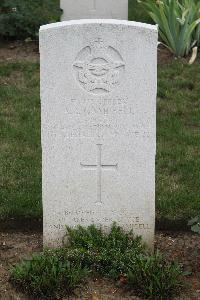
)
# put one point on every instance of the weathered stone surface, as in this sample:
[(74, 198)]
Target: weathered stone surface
[(98, 97), (94, 9)]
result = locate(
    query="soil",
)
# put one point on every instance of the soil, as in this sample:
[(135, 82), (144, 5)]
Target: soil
[(29, 51), (19, 51), (183, 247), (164, 55)]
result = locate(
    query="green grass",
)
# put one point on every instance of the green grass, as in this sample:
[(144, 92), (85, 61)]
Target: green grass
[(20, 150), (178, 140)]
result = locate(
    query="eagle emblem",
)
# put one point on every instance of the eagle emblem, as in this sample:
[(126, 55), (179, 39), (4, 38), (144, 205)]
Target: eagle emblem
[(99, 67)]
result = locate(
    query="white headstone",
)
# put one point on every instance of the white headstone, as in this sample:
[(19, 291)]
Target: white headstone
[(98, 96), (94, 9)]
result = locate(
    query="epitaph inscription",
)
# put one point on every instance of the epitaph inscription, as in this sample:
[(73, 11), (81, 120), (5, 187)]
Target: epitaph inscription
[(99, 67), (89, 216)]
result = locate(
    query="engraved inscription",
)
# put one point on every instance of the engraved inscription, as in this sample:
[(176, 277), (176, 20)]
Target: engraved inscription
[(101, 130), (99, 67), (90, 217), (105, 107), (99, 106), (99, 166), (136, 226)]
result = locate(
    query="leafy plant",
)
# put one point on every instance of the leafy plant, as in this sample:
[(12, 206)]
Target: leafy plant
[(108, 254), (116, 255), (178, 23), (22, 18), (48, 273), (153, 277), (195, 224), (197, 30)]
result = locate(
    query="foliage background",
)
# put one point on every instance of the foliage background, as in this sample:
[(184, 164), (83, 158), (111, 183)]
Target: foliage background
[(138, 13), (21, 19)]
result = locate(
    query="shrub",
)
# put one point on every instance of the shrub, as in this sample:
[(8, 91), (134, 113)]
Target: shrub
[(153, 277), (108, 254), (178, 23), (116, 255), (22, 18), (48, 274)]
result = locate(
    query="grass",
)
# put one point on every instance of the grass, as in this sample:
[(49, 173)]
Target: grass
[(20, 151), (178, 140), (116, 255)]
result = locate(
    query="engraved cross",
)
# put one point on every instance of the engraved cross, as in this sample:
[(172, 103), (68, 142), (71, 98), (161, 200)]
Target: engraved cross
[(99, 167), (94, 5)]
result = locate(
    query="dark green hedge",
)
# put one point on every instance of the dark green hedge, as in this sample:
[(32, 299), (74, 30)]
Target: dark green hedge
[(22, 18)]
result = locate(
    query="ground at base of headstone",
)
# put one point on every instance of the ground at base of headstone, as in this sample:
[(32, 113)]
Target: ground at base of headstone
[(183, 247)]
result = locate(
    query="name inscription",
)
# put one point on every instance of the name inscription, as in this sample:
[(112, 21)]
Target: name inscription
[(102, 106)]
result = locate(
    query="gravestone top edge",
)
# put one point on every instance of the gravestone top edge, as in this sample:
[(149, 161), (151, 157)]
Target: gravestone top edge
[(99, 21)]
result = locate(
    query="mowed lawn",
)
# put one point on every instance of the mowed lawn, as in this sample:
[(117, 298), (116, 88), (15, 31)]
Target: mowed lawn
[(178, 141)]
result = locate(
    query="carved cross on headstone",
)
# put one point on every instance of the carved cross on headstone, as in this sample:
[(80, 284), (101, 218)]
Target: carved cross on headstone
[(94, 5), (99, 167)]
